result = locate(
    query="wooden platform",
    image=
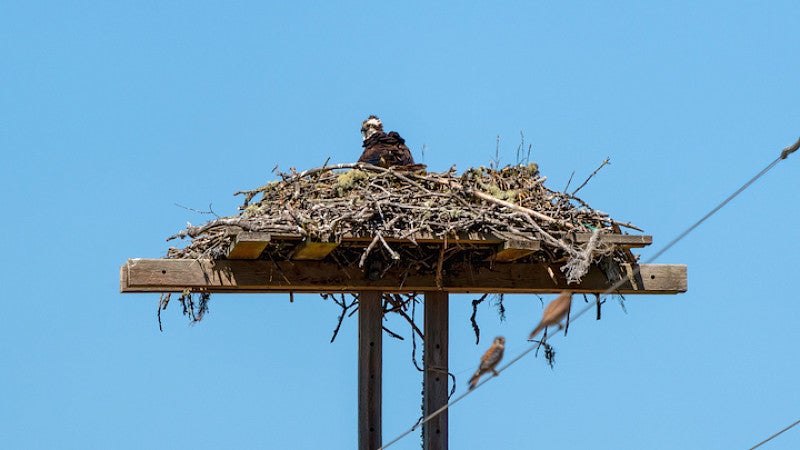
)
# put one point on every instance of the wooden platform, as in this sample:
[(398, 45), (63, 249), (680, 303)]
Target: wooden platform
[(238, 276), (260, 262)]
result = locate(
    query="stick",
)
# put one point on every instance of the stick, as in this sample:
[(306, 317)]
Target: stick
[(605, 162), (495, 200)]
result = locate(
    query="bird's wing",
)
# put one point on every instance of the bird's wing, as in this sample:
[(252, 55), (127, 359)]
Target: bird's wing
[(401, 155), (371, 155), (555, 311), (491, 357), (386, 150)]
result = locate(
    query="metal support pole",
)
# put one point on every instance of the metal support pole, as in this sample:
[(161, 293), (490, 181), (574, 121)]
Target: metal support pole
[(370, 368), (435, 379)]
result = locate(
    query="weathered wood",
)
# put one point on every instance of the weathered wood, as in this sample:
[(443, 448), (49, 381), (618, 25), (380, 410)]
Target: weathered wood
[(370, 369), (249, 245), (513, 250), (174, 275), (620, 240), (313, 251), (435, 378)]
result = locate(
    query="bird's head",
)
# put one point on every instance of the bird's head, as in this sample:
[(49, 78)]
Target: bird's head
[(370, 126), (500, 340)]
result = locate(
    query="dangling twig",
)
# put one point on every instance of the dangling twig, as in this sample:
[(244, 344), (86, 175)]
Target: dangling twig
[(598, 303), (413, 336), (501, 309), (163, 301), (392, 333), (475, 327), (345, 308)]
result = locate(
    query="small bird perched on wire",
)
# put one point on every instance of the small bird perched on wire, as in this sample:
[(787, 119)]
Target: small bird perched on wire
[(489, 360), (554, 312), (382, 149)]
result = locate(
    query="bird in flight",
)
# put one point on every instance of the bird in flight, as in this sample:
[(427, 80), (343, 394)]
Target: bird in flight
[(554, 312), (489, 360), (383, 149)]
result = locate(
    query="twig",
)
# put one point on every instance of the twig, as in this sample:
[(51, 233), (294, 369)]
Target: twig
[(625, 224), (569, 181), (501, 309), (393, 253), (475, 327), (605, 162), (345, 307), (392, 333), (210, 210), (191, 231), (413, 336), (163, 301), (598, 303), (497, 201), (409, 319), (369, 248)]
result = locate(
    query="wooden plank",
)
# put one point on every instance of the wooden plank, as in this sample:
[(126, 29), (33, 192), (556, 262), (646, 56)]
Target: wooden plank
[(249, 245), (123, 278), (174, 275), (620, 240), (313, 251), (435, 379), (370, 369), (513, 250)]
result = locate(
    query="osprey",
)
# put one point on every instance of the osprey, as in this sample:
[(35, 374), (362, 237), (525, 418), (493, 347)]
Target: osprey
[(382, 149)]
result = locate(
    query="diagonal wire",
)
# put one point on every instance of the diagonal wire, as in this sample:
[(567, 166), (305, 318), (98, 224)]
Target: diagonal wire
[(774, 436), (784, 154)]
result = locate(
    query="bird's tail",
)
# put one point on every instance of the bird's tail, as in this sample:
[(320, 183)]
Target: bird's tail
[(474, 380), (535, 332)]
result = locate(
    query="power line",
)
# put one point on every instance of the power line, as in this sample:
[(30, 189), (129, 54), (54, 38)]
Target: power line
[(784, 154), (774, 435)]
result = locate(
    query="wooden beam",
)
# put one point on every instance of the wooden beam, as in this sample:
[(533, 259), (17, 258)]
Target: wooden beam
[(370, 369), (249, 245), (620, 240), (313, 251), (513, 250), (435, 378), (237, 276)]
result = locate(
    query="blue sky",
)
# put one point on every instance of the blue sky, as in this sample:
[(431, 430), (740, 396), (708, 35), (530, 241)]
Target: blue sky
[(113, 112)]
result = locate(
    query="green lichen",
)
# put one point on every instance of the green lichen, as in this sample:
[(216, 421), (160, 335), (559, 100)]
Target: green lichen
[(349, 180), (252, 210), (501, 194)]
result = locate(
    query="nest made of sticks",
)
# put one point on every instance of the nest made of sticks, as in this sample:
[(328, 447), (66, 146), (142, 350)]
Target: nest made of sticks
[(330, 203)]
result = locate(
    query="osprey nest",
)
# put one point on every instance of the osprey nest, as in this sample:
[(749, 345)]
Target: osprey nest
[(420, 220)]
